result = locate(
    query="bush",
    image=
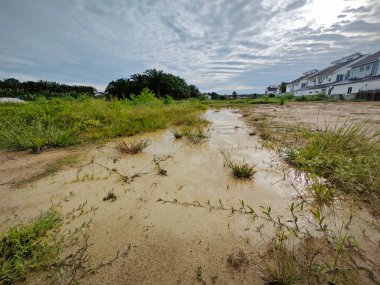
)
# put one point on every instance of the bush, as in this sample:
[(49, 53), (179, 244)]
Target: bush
[(146, 97)]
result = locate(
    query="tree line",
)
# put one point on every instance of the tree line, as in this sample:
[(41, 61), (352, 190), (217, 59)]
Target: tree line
[(160, 83), (29, 90)]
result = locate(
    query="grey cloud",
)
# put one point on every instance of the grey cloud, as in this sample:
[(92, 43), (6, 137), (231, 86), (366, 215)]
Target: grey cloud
[(359, 26), (228, 62), (253, 44), (295, 5)]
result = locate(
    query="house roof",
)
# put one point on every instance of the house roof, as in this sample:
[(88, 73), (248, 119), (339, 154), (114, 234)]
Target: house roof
[(332, 68), (272, 88), (302, 77), (371, 58)]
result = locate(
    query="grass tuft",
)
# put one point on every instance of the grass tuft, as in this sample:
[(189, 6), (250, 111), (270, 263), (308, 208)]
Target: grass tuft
[(132, 147), (282, 268), (28, 248), (195, 135), (177, 133), (241, 171)]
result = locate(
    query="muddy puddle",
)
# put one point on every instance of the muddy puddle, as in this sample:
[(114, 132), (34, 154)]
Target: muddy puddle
[(190, 218)]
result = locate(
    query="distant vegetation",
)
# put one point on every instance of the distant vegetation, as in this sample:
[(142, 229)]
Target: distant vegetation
[(162, 84), (30, 90)]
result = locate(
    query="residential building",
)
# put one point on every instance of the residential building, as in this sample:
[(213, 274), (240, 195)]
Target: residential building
[(347, 76), (273, 89)]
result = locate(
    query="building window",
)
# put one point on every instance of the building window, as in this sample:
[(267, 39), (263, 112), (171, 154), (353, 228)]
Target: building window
[(349, 90), (367, 67), (362, 68), (339, 77), (374, 68), (347, 75)]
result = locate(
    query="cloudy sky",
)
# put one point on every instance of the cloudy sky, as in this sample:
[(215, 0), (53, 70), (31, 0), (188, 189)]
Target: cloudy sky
[(218, 45)]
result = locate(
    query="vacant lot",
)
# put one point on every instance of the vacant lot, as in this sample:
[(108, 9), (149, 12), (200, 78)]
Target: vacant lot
[(318, 115), (174, 213)]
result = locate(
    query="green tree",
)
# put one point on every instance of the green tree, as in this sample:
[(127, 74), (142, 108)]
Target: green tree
[(283, 87)]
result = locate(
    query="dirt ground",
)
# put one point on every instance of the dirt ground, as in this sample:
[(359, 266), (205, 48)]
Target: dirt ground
[(183, 227), (319, 115)]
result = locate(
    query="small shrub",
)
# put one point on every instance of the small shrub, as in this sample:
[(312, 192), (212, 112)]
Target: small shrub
[(132, 147), (145, 97)]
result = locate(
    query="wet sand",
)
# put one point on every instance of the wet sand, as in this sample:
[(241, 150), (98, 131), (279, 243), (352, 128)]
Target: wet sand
[(175, 223)]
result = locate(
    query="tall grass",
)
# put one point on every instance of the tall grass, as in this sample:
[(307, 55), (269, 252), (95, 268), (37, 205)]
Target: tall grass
[(348, 157), (60, 122)]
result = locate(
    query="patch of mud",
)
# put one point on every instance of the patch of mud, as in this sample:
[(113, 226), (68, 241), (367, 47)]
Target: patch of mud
[(175, 223)]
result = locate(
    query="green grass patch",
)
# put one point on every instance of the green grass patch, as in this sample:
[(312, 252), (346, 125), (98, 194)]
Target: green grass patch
[(53, 123), (29, 248), (348, 157)]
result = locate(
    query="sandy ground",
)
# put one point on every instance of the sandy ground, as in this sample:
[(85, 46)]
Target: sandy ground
[(174, 223), (320, 115)]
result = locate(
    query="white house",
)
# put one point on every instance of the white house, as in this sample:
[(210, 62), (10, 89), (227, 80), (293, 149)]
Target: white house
[(273, 89), (298, 83), (364, 77), (346, 76)]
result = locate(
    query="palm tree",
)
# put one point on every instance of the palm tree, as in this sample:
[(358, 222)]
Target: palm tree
[(156, 79)]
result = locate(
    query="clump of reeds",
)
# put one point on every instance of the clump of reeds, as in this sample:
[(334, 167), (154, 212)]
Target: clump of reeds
[(132, 147), (239, 170)]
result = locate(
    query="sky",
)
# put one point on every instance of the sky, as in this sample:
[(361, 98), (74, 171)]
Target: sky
[(218, 45)]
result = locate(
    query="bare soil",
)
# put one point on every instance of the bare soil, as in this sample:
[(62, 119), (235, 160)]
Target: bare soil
[(320, 115), (186, 219)]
